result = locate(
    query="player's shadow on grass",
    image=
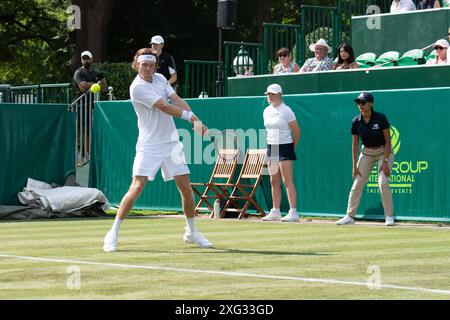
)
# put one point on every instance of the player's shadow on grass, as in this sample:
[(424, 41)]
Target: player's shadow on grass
[(234, 251), (271, 252)]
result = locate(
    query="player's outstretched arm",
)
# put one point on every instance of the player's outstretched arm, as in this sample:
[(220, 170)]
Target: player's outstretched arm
[(178, 101), (173, 110), (176, 111)]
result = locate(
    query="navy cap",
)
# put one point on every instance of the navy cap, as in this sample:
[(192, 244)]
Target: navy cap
[(365, 96)]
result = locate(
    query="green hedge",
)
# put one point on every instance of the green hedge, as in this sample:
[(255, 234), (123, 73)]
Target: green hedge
[(119, 75)]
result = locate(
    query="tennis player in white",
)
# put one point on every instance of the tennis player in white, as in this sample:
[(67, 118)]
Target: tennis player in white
[(158, 145)]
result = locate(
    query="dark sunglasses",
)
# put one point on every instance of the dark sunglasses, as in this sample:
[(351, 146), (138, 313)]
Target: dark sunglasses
[(282, 55), (439, 48), (361, 102)]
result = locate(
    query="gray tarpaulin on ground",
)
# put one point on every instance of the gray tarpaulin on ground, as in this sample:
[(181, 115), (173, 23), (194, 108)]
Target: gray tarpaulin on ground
[(43, 201), (62, 199), (29, 213)]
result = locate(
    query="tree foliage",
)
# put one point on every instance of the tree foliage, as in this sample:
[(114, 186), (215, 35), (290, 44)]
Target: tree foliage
[(35, 44)]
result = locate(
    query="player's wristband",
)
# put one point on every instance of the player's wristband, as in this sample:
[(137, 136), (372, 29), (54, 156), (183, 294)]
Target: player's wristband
[(187, 115)]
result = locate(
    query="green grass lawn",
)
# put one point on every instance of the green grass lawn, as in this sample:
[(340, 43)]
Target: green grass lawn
[(416, 257)]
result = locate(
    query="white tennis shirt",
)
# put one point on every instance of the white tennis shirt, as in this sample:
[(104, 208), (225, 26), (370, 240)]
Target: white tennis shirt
[(155, 126), (276, 121)]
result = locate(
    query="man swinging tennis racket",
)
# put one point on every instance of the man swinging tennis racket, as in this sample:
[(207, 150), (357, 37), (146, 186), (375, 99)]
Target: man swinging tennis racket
[(158, 145)]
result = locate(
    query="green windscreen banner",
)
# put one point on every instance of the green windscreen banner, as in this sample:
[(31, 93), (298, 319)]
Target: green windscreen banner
[(322, 172), (36, 141)]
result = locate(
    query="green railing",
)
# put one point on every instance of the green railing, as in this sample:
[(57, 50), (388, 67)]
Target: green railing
[(242, 59), (200, 78), (24, 94), (43, 93), (56, 93), (319, 23), (277, 36)]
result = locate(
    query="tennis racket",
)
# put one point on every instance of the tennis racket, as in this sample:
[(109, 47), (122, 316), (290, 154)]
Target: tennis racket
[(226, 143)]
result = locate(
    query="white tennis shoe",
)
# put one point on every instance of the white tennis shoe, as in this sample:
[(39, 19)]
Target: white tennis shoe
[(346, 220), (272, 216), (197, 238), (292, 216), (110, 242), (389, 221)]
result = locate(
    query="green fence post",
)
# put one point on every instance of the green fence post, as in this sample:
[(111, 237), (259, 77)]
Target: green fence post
[(186, 79), (302, 38), (39, 94), (265, 55)]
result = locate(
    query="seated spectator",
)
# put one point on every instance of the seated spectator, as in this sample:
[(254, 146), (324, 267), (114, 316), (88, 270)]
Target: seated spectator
[(321, 61), (346, 58), (428, 4), (441, 48), (399, 6), (285, 64)]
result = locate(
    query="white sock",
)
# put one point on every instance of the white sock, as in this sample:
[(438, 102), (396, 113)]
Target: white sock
[(116, 225), (276, 210), (293, 210), (190, 224)]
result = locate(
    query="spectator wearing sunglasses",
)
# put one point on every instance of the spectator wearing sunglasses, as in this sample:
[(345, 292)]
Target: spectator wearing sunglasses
[(285, 64), (441, 48), (373, 129)]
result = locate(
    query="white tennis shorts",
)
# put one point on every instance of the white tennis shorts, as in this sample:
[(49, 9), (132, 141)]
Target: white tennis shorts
[(168, 156)]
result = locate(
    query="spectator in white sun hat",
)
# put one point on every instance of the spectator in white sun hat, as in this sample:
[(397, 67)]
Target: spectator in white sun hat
[(321, 61), (283, 136), (441, 49)]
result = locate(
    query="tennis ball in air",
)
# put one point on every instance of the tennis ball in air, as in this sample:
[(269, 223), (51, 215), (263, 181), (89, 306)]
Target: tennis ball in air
[(95, 88)]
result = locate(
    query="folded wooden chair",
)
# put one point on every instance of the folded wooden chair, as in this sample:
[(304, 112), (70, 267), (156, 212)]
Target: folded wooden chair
[(244, 190), (220, 184)]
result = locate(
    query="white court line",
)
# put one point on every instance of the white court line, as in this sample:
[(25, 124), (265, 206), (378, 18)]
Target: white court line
[(223, 273)]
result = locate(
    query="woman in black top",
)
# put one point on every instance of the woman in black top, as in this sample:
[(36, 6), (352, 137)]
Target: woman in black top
[(373, 129)]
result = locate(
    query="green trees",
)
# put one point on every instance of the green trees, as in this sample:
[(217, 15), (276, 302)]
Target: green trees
[(37, 46), (34, 42)]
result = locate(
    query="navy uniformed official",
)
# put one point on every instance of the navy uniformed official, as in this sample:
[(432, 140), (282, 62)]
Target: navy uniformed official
[(373, 129)]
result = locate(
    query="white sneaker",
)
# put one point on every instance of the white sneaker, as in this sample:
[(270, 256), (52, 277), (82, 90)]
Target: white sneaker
[(110, 242), (272, 216), (346, 220), (292, 216), (389, 221), (197, 238)]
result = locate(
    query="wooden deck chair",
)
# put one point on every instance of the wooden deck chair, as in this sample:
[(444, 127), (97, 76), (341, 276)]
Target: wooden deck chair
[(220, 183), (244, 190)]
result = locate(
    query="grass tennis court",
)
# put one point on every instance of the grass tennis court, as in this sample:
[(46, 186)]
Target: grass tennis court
[(252, 260)]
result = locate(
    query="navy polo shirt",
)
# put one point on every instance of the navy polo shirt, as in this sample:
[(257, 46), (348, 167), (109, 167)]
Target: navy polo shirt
[(166, 61), (371, 133)]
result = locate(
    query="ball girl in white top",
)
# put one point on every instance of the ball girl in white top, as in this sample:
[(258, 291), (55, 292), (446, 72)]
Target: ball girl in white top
[(283, 135), (158, 145)]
